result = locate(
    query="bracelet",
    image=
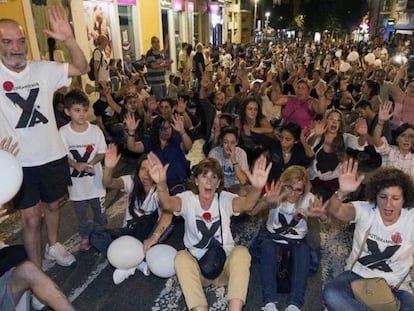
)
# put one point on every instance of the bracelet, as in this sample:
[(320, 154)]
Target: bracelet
[(183, 133), (131, 135), (156, 234), (161, 190), (235, 163), (339, 196)]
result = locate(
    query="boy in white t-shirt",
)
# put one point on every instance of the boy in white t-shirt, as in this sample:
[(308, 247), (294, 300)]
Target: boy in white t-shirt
[(85, 145)]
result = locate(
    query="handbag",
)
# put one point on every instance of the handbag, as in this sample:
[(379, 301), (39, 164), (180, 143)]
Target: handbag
[(375, 293), (212, 262)]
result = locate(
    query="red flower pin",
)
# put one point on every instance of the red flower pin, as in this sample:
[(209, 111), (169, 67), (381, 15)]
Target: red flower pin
[(396, 238), (298, 217), (89, 149), (8, 86), (207, 216)]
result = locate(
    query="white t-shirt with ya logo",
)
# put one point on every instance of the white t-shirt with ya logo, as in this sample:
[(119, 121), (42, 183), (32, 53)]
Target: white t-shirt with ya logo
[(389, 250), (26, 110), (192, 212)]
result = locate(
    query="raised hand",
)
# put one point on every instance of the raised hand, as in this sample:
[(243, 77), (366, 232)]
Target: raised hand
[(181, 105), (258, 177), (384, 113), (178, 123), (274, 193), (130, 122), (59, 22), (316, 208), (111, 156), (157, 171), (7, 144), (349, 181), (361, 126), (319, 127), (304, 133)]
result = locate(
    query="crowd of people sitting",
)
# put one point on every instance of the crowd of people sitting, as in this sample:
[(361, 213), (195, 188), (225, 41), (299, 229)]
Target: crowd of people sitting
[(297, 106), (280, 126)]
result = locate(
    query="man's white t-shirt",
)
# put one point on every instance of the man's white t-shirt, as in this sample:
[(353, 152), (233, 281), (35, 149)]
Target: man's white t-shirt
[(26, 110)]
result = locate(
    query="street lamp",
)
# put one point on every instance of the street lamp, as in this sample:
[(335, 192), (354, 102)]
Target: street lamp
[(267, 19), (255, 14)]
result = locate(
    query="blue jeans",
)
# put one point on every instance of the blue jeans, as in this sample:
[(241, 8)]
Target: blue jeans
[(86, 226), (338, 295), (300, 254)]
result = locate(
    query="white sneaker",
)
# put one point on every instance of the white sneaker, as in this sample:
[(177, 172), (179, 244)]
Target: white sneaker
[(59, 253), (121, 275), (143, 267), (36, 304), (292, 308), (270, 306)]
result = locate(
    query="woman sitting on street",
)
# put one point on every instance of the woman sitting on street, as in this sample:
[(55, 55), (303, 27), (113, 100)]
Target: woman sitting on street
[(207, 210), (286, 229), (143, 219), (232, 159), (383, 238), (399, 155)]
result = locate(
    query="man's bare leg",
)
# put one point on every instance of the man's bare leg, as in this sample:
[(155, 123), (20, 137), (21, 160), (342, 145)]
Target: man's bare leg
[(28, 276), (31, 218), (51, 211)]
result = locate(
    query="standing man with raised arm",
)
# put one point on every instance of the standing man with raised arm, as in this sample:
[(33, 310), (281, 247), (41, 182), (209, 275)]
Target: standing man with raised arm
[(26, 113)]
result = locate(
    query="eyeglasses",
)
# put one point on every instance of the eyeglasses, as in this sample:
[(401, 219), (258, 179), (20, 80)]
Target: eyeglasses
[(405, 135), (289, 188)]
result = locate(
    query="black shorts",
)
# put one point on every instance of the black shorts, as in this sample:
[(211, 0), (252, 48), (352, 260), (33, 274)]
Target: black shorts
[(46, 183)]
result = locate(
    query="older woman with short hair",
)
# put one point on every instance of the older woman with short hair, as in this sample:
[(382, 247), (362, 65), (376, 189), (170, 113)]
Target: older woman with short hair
[(207, 210)]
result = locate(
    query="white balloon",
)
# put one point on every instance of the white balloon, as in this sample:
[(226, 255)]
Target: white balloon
[(378, 63), (338, 53), (344, 67), (160, 260), (370, 58), (353, 56), (125, 252), (11, 176)]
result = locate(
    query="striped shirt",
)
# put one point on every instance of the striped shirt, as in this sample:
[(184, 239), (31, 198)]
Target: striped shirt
[(155, 77)]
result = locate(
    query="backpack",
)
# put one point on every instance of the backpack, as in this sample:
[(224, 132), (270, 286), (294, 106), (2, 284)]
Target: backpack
[(91, 73)]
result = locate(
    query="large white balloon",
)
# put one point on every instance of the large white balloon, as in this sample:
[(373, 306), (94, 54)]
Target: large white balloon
[(344, 67), (370, 58), (378, 62), (11, 176), (338, 53), (353, 56), (125, 252), (160, 260)]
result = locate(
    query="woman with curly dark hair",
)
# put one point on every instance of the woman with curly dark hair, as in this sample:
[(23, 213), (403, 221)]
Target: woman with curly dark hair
[(383, 239)]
